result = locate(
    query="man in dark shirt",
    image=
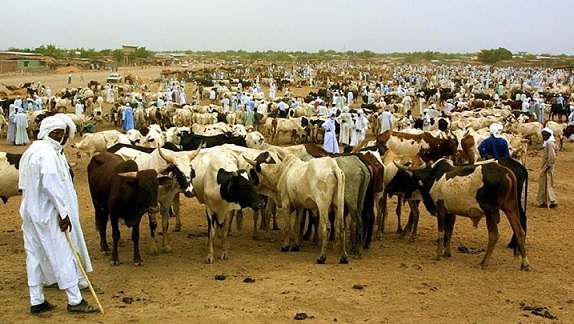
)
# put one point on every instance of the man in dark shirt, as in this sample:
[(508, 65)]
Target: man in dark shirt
[(494, 146)]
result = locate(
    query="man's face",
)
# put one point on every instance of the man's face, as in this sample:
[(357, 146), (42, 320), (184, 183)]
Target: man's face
[(57, 135), (545, 135)]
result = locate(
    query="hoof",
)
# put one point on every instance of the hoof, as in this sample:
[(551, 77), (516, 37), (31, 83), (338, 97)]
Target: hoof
[(209, 259), (295, 248), (224, 257), (344, 260), (285, 249), (115, 262), (138, 263), (321, 260), (167, 249), (413, 239), (177, 228), (483, 266), (447, 254), (526, 267)]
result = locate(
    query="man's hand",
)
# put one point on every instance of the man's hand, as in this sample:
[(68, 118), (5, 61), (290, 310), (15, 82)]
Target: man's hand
[(64, 223)]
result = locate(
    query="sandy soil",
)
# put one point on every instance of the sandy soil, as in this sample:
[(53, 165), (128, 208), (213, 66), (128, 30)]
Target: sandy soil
[(401, 282)]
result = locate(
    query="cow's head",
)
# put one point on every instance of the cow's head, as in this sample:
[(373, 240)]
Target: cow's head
[(179, 166), (425, 177), (237, 188), (266, 171)]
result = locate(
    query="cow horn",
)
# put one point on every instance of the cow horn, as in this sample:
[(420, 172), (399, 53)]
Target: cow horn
[(130, 175), (167, 158), (193, 155)]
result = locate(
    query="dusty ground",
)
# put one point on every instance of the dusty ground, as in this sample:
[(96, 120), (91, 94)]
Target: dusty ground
[(402, 283)]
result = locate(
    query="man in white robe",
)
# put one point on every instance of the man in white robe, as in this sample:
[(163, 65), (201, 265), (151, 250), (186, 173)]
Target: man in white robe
[(21, 121), (346, 122), (79, 108), (50, 207), (386, 121), (330, 139), (361, 126)]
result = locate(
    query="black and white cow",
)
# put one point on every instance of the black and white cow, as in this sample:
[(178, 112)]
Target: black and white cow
[(223, 188)]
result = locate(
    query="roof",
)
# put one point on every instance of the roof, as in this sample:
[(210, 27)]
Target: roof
[(19, 53), (130, 46)]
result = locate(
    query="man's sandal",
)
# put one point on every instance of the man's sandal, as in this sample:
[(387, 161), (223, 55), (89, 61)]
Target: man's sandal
[(82, 307), (42, 308)]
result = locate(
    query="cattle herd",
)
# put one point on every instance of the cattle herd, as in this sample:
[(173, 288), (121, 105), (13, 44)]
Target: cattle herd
[(214, 153)]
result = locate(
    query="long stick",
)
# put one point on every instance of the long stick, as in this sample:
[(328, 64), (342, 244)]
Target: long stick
[(77, 257)]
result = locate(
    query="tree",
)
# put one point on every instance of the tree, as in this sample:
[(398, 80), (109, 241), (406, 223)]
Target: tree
[(491, 56), (118, 55)]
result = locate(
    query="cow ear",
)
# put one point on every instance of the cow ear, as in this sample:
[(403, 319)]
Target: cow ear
[(164, 180), (222, 176)]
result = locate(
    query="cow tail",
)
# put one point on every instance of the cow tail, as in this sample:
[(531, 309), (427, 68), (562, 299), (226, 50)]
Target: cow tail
[(341, 205)]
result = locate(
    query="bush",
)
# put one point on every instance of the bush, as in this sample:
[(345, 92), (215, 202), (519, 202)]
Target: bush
[(491, 56)]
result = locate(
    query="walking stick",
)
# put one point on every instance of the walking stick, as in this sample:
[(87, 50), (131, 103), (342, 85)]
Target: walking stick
[(77, 257), (547, 193)]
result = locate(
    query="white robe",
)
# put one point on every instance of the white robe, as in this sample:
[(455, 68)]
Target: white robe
[(21, 122), (386, 121), (346, 122), (361, 126), (330, 140), (79, 109), (48, 191)]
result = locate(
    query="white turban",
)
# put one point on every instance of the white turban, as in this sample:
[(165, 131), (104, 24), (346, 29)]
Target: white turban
[(551, 138), (49, 124), (58, 121), (495, 129)]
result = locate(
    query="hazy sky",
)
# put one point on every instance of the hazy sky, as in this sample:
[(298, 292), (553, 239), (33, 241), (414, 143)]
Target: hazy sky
[(537, 26)]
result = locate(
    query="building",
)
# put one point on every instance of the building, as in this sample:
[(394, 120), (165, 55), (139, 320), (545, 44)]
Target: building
[(128, 50), (22, 61)]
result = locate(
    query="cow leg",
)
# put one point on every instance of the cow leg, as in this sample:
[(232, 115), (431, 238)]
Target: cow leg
[(449, 228), (288, 227), (101, 223), (176, 204), (296, 246), (331, 218), (210, 235), (382, 217), (306, 219), (225, 228), (136, 241), (255, 221), (239, 220), (274, 215), (441, 215), (164, 228), (520, 234), (398, 211), (152, 228), (492, 225), (414, 204), (116, 238), (325, 229)]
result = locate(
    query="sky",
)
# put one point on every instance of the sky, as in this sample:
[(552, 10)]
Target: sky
[(535, 26)]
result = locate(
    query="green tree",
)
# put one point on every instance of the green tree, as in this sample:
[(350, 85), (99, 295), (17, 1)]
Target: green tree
[(491, 56), (118, 55)]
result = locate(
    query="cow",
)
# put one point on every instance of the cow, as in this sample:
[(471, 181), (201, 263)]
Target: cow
[(9, 175), (474, 191), (99, 142), (318, 184), (190, 141), (119, 190), (176, 165), (223, 188), (424, 145)]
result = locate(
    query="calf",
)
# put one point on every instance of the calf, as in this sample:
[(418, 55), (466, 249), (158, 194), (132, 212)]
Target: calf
[(9, 175), (119, 190)]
